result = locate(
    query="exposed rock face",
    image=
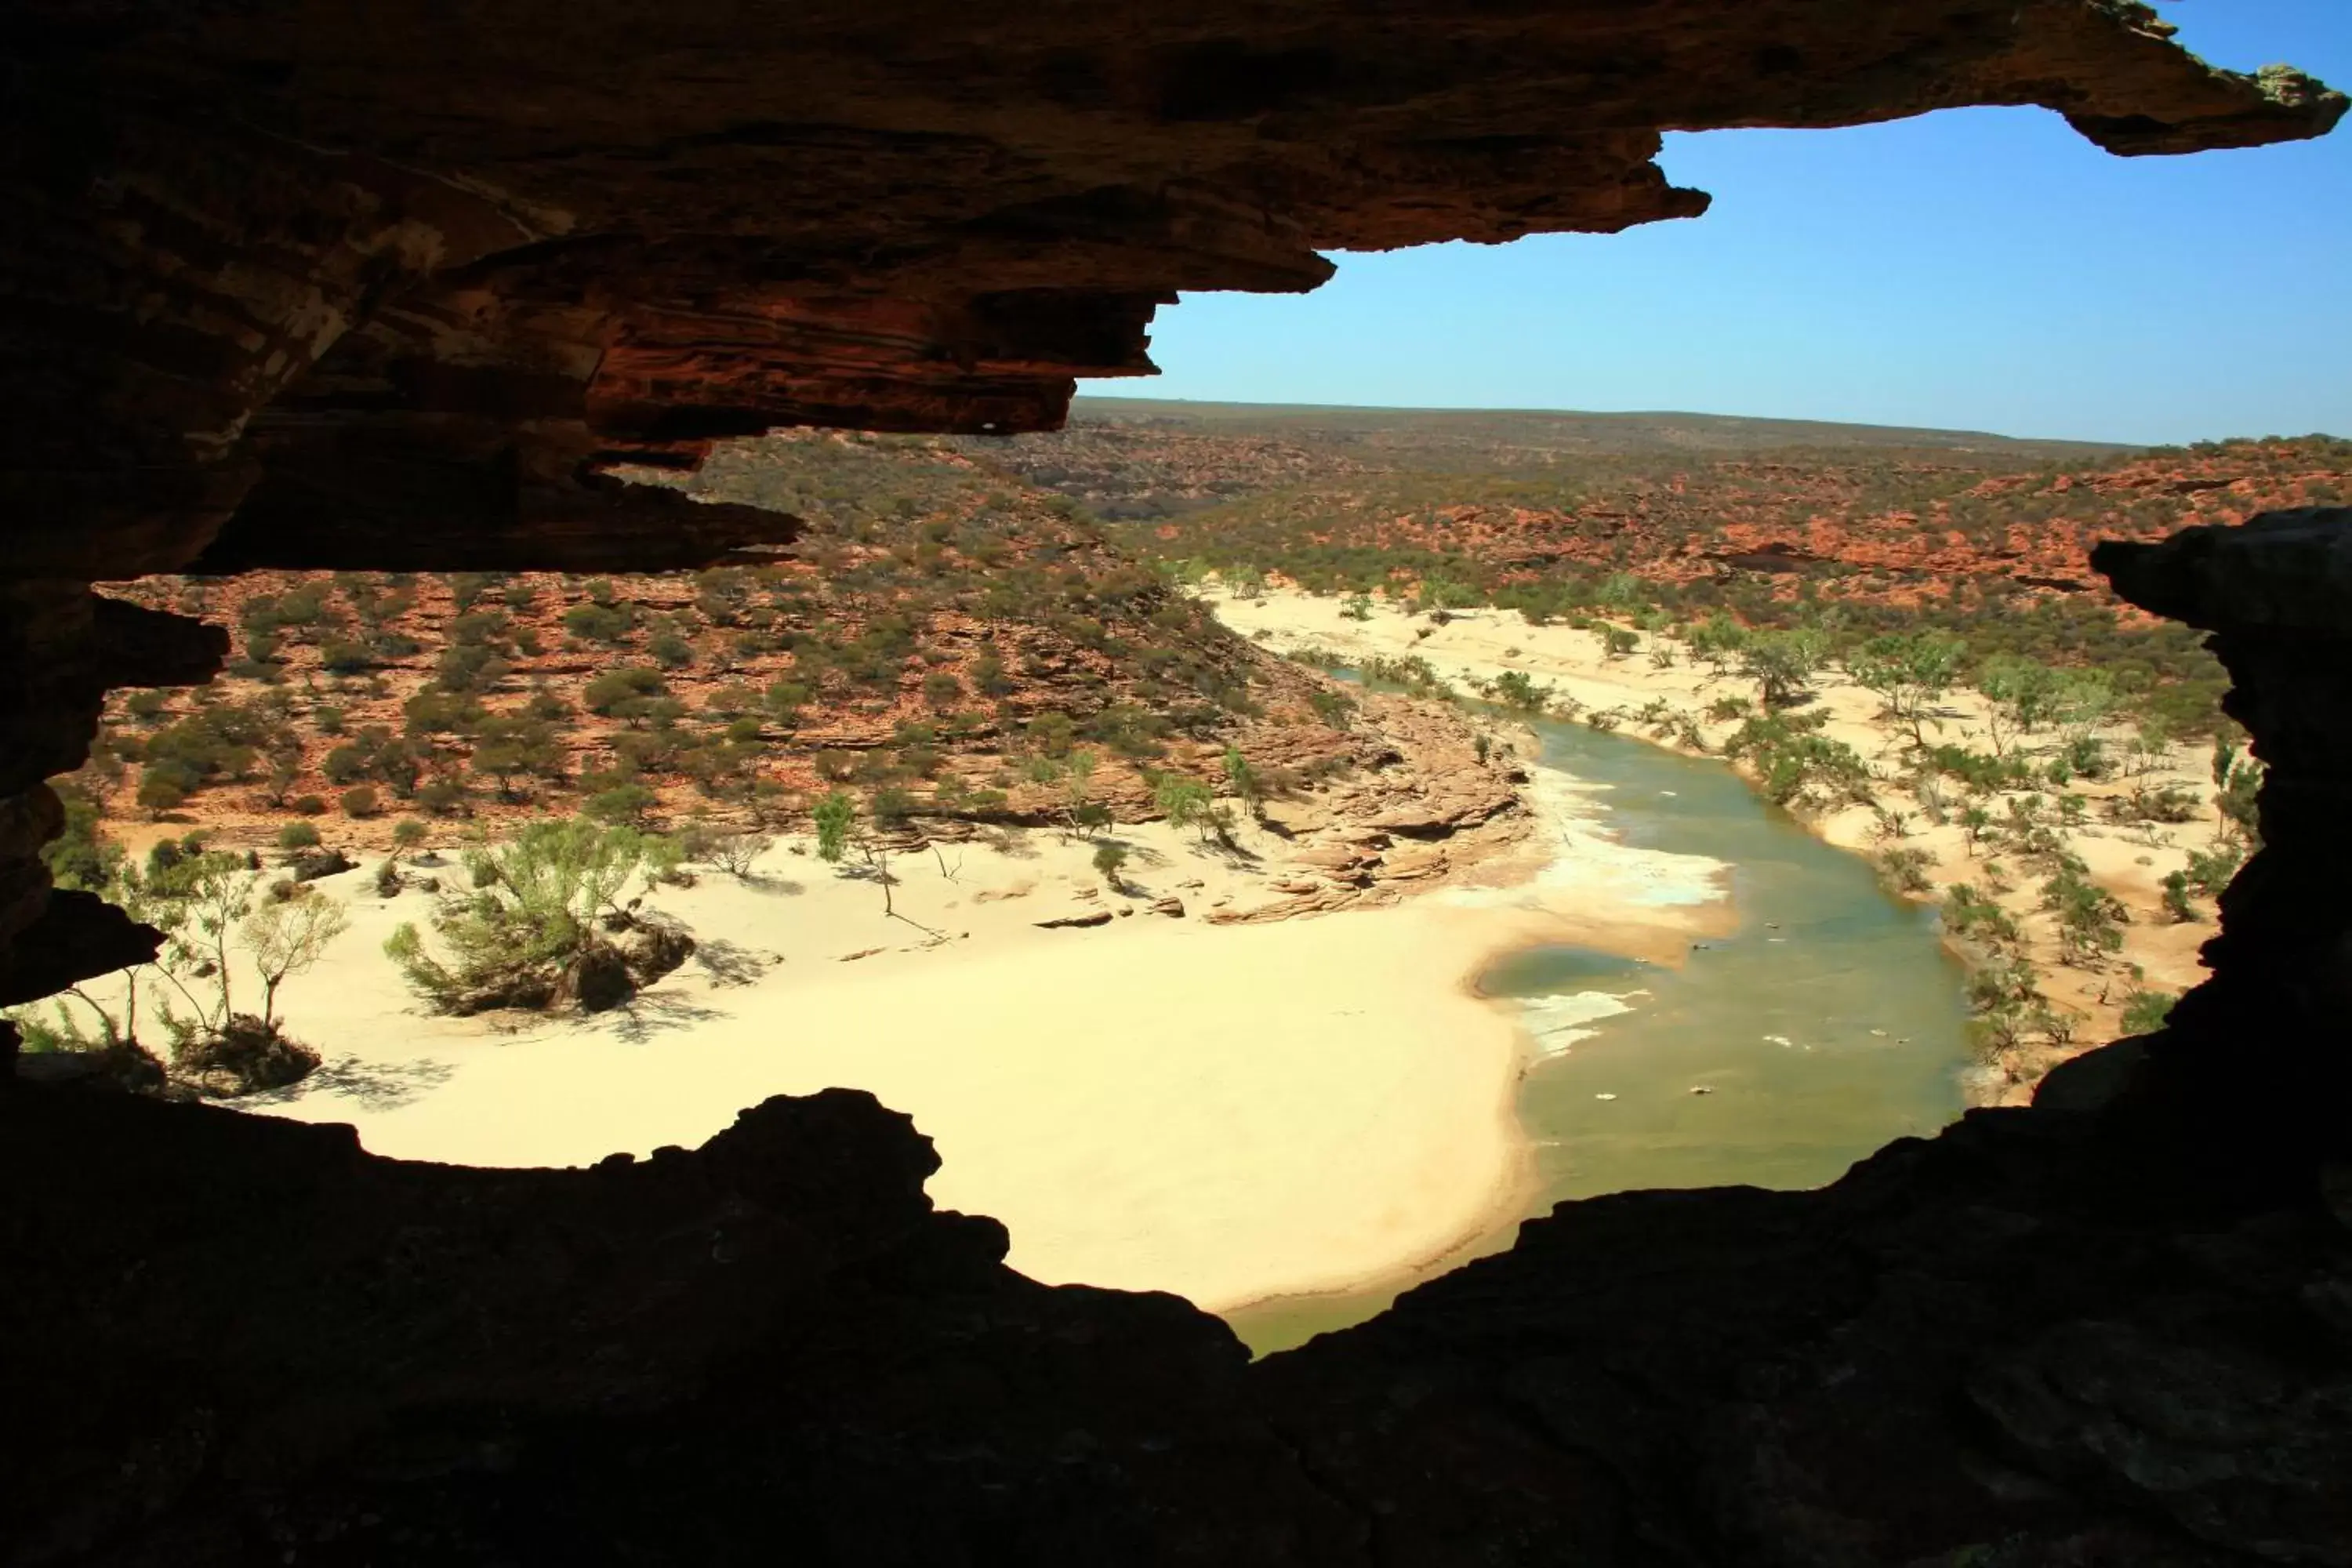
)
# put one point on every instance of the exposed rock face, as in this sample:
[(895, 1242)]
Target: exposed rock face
[(1426, 800), (2268, 1039), (61, 647)]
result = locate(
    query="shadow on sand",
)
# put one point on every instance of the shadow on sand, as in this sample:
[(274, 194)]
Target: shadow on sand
[(373, 1086)]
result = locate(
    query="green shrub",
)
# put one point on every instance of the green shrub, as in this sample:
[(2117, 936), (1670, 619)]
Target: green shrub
[(626, 803), (2145, 1012), (627, 693), (528, 935)]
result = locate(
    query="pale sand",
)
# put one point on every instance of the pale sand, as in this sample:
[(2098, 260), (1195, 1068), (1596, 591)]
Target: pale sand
[(1228, 1112), (1480, 645)]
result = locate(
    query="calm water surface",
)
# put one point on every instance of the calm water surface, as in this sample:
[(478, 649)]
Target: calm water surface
[(1828, 1023)]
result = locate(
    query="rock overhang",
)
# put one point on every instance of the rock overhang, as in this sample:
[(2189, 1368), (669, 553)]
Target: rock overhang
[(476, 256)]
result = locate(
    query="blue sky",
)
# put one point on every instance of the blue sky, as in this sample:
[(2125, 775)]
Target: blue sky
[(1979, 269)]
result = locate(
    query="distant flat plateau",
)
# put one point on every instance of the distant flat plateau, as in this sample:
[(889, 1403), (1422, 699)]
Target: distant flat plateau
[(1562, 431)]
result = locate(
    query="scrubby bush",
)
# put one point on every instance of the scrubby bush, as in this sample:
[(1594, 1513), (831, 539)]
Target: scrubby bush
[(1905, 869), (627, 693), (2145, 1011), (1796, 765), (599, 623), (297, 835), (628, 803), (535, 931)]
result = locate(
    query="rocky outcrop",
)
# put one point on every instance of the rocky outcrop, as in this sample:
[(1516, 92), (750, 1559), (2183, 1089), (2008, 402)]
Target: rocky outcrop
[(2012, 1345), (61, 647), (2264, 1047), (1427, 796)]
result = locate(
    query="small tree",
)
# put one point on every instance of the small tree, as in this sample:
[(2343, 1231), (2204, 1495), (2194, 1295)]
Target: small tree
[(2022, 695), (1975, 821), (1109, 859), (1078, 785), (737, 853), (1184, 801), (1782, 663), (2145, 1012), (1359, 607), (2177, 907), (288, 936), (1247, 786), (1910, 673), (407, 834), (1719, 640), (839, 836), (297, 836), (159, 795), (835, 817), (625, 803), (2238, 785)]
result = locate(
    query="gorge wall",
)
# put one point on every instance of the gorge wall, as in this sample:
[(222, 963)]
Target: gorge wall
[(395, 286)]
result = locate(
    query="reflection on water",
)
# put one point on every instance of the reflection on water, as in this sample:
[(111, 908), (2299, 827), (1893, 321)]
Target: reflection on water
[(1828, 1023)]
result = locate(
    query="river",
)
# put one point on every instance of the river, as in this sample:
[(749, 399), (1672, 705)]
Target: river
[(1828, 1023)]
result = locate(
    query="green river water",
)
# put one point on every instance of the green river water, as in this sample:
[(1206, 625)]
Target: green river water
[(1829, 1022)]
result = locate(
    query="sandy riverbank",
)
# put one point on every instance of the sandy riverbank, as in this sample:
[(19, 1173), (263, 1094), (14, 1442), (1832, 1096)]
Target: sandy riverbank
[(1230, 1111), (2131, 863)]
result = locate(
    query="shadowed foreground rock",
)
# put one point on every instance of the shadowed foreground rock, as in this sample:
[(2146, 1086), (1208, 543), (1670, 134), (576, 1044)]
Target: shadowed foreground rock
[(2262, 1053), (250, 1342), (247, 1342)]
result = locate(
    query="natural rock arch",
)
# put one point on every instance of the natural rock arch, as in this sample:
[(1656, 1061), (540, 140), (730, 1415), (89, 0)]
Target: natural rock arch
[(393, 286)]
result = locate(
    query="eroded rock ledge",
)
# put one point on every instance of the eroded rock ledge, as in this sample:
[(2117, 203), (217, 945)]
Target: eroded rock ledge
[(291, 270)]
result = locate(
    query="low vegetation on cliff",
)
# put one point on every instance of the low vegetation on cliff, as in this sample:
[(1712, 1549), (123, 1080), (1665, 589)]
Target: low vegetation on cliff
[(1988, 540), (941, 644)]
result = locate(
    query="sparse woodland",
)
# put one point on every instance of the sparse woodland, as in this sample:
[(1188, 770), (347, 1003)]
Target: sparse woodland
[(957, 639)]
